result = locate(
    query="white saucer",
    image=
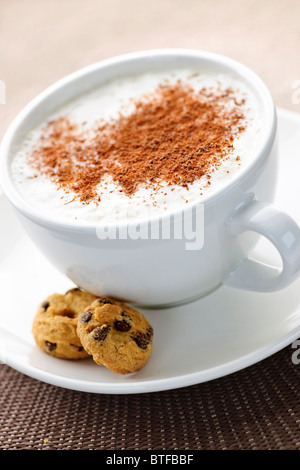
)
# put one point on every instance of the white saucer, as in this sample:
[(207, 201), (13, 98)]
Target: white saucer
[(215, 336)]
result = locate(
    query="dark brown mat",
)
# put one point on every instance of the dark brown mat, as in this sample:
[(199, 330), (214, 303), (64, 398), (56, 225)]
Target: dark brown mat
[(257, 408)]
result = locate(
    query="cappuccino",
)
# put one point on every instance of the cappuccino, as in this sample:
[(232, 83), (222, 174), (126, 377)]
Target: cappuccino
[(139, 146)]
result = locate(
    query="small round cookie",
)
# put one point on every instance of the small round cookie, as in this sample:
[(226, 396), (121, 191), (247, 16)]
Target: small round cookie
[(55, 324), (115, 335)]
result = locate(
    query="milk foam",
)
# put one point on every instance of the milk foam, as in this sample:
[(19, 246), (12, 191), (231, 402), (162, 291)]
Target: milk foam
[(105, 103)]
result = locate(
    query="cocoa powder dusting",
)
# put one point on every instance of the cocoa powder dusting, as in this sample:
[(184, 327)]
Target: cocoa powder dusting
[(174, 136)]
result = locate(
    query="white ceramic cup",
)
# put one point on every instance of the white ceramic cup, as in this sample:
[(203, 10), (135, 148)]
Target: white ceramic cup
[(163, 272)]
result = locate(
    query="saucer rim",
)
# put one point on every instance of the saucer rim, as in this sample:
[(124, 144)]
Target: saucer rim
[(170, 383)]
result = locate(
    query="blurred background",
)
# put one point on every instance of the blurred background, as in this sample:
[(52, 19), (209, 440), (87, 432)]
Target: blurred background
[(43, 40)]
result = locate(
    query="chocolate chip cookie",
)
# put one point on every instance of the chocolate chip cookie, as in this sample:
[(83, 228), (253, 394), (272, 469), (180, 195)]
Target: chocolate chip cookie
[(115, 335), (55, 324)]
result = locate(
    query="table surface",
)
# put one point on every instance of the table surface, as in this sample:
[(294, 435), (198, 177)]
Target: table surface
[(40, 42)]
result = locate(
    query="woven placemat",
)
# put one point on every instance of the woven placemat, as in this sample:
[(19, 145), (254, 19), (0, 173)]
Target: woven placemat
[(257, 408)]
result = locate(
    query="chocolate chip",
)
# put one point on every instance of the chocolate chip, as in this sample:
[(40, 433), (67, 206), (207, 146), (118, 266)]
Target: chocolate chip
[(86, 317), (143, 339), (122, 325), (79, 348), (50, 346), (150, 331), (45, 305), (74, 289), (68, 313), (104, 300), (101, 332)]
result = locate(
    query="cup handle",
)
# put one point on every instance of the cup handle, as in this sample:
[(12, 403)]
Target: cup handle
[(282, 231)]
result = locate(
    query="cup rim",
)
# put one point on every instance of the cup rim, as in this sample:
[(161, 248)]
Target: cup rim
[(270, 124)]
